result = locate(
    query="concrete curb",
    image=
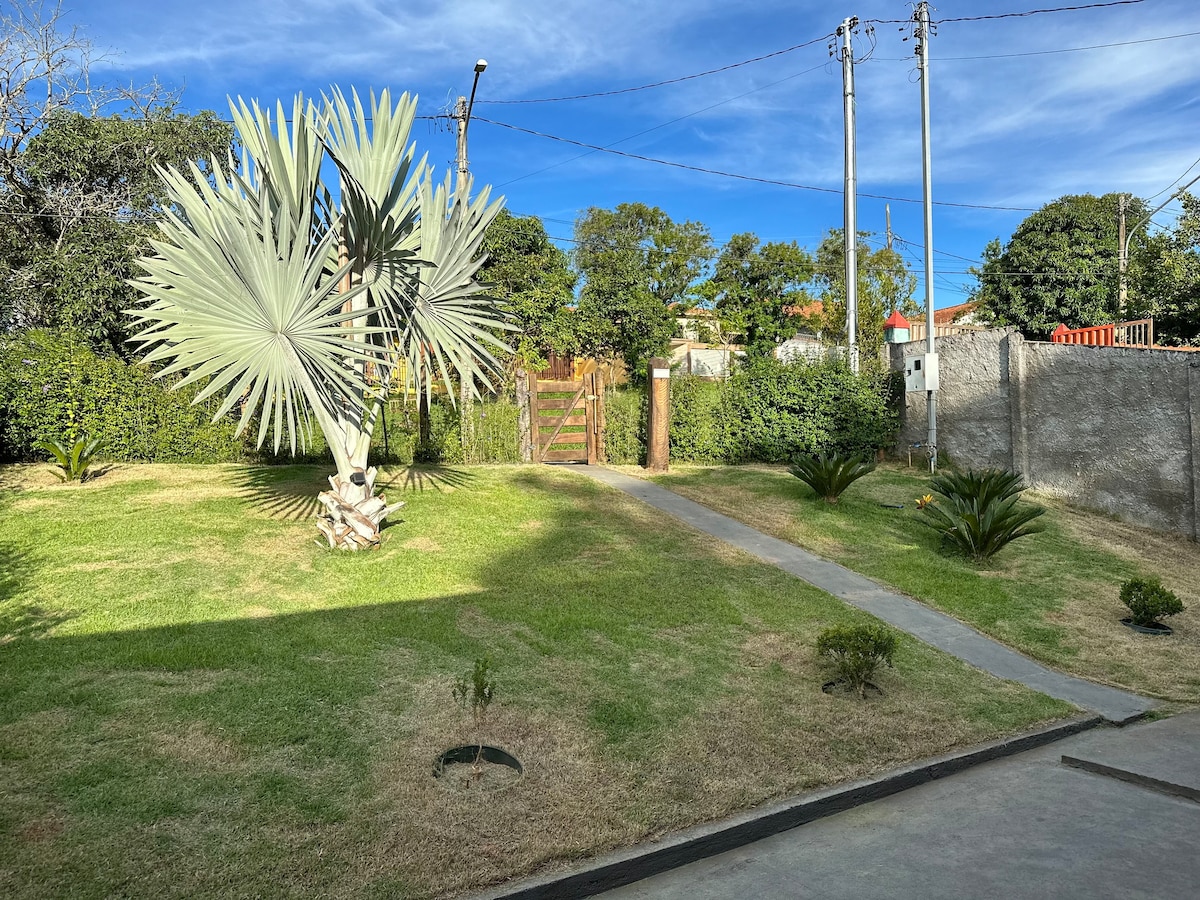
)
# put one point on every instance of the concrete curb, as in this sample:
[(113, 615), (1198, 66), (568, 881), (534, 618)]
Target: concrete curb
[(1145, 781), (622, 867)]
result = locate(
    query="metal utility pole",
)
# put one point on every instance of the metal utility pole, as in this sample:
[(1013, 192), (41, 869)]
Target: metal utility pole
[(850, 233), (922, 36), (887, 218), (462, 115)]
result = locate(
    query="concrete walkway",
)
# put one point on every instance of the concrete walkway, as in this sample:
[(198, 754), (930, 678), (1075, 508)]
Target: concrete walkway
[(939, 630), (1040, 824)]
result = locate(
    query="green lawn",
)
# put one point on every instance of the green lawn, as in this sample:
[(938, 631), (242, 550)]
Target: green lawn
[(1052, 595), (196, 700)]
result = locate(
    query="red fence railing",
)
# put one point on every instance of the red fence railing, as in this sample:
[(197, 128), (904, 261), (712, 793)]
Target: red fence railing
[(1139, 334)]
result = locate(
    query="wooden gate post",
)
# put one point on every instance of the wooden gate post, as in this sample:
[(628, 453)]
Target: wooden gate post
[(524, 417), (658, 425)]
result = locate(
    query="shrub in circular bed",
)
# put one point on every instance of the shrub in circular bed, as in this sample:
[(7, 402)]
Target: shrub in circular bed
[(1148, 600), (857, 651)]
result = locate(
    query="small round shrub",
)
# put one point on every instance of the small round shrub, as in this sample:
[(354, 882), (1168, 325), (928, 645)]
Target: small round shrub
[(857, 651), (1147, 600)]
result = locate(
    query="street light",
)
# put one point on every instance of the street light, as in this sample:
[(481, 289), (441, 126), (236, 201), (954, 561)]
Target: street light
[(1123, 255), (462, 113)]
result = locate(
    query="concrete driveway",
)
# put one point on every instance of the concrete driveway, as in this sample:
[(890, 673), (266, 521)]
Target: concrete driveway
[(1121, 819)]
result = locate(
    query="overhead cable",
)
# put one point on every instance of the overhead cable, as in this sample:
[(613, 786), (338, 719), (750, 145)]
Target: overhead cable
[(740, 176), (655, 84)]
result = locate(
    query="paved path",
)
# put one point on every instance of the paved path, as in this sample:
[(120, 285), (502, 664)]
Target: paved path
[(1024, 828), (942, 631)]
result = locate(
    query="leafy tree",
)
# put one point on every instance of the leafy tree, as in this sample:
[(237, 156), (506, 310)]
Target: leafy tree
[(1165, 279), (758, 288), (80, 200), (639, 267), (534, 279), (884, 284), (297, 306), (1059, 266)]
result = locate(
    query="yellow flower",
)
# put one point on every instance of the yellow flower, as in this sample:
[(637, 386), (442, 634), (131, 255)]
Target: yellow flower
[(923, 502)]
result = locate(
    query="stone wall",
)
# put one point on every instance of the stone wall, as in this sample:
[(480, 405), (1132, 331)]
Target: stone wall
[(1114, 429)]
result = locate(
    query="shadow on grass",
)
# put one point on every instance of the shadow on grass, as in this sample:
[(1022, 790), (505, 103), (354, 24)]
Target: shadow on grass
[(283, 492), (290, 492), (17, 619), (428, 478)]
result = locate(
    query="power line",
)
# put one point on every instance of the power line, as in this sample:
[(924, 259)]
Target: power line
[(1165, 37), (681, 78), (1176, 181), (1013, 15), (661, 125), (739, 176)]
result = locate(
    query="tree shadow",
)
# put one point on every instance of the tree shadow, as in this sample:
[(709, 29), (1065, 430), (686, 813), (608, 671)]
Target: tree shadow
[(423, 478), (20, 620), (288, 493)]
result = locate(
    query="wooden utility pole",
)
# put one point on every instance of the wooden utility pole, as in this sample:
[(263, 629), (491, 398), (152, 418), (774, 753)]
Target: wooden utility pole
[(1122, 255), (466, 386), (658, 442)]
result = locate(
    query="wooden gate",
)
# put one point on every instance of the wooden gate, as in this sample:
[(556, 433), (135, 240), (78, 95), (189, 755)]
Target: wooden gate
[(567, 417)]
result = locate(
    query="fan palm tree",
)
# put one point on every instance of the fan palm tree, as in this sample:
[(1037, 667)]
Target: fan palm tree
[(300, 307)]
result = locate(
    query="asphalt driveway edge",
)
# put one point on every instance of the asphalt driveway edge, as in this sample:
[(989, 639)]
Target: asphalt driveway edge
[(648, 858)]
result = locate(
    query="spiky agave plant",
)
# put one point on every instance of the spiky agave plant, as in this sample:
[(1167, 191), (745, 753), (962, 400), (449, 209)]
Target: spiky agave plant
[(829, 476), (980, 513), (304, 306)]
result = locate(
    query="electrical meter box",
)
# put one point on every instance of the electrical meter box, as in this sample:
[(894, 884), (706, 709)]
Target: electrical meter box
[(921, 372)]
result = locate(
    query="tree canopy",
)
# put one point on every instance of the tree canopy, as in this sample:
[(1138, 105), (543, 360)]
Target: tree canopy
[(639, 269), (884, 284), (757, 288), (1059, 266), (79, 201), (533, 278), (1166, 279)]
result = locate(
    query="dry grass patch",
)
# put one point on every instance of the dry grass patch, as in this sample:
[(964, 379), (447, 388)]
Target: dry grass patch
[(240, 713), (1053, 595)]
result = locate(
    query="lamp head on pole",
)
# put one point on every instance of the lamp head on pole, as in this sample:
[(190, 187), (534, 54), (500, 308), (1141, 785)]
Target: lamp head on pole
[(480, 65)]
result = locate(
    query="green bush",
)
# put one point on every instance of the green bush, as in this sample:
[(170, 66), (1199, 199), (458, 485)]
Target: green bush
[(53, 386), (856, 652), (779, 411), (625, 414), (1148, 600), (981, 514), (766, 411), (829, 476), (698, 420)]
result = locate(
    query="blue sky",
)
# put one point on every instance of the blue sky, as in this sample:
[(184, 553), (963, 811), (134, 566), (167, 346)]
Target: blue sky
[(1008, 130)]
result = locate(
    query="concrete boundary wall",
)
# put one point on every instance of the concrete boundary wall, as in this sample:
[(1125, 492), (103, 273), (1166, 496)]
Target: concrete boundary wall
[(1110, 428)]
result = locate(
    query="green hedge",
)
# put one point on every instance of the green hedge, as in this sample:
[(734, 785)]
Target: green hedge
[(777, 410), (54, 386), (766, 411)]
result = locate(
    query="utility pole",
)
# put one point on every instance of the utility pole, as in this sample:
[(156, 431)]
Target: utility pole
[(887, 218), (850, 232), (1122, 254), (1126, 235), (462, 115), (923, 35)]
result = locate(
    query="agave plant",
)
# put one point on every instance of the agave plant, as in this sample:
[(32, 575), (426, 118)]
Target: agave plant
[(829, 476), (72, 458), (303, 306), (981, 513)]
